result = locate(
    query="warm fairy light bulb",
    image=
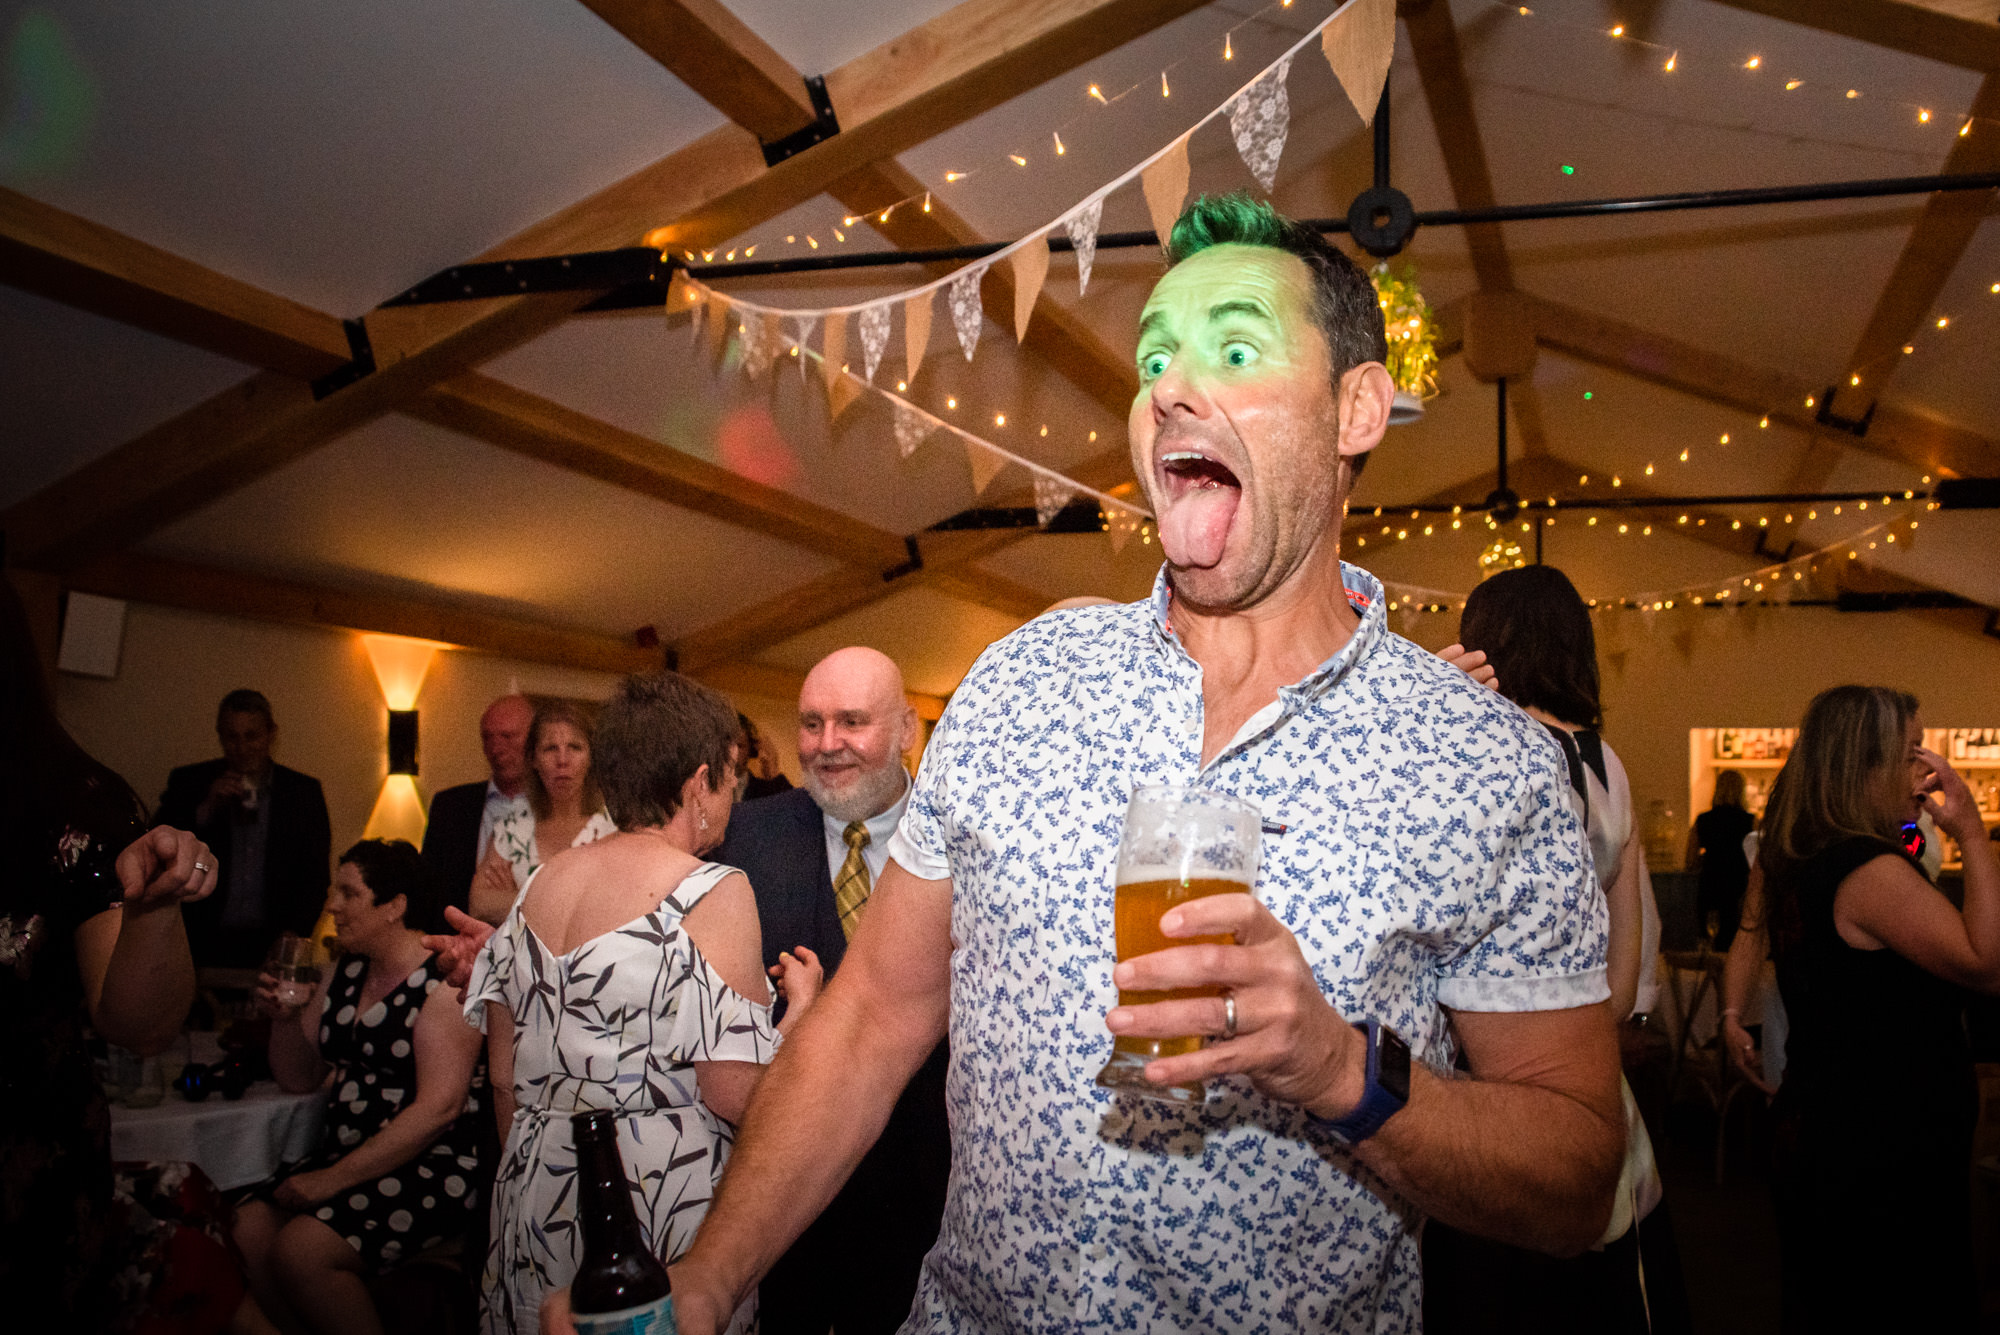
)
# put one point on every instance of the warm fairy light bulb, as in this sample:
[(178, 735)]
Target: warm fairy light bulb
[(748, 251), (1853, 93), (1060, 150), (707, 256), (730, 257), (1093, 435), (1623, 528), (902, 386), (1672, 61), (1017, 159), (954, 176), (839, 235), (809, 241), (1617, 481), (1684, 456), (1618, 31), (791, 240), (999, 419), (1943, 320), (951, 401), (884, 215), (1228, 52), (1164, 90), (1809, 400), (1593, 521), (1682, 520), (1736, 523), (1966, 128), (1854, 379), (849, 220), (1995, 288), (1923, 116), (1045, 428), (1753, 62), (1790, 84), (1649, 470), (1763, 422), (1097, 93)]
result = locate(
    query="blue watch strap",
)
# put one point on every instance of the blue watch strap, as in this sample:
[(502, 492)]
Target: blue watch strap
[(1380, 1100)]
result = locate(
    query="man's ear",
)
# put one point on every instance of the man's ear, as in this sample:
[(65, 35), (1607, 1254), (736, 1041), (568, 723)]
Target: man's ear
[(1364, 399)]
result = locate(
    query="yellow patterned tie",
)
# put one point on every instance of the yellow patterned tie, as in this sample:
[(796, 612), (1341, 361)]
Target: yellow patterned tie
[(851, 887)]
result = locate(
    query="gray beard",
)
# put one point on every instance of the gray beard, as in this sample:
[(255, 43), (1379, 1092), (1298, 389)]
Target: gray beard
[(875, 794)]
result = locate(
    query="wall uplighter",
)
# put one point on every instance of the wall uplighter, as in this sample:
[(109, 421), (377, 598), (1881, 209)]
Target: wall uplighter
[(403, 741)]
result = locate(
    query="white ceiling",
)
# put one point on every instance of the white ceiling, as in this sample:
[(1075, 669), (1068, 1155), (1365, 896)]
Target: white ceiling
[(337, 154)]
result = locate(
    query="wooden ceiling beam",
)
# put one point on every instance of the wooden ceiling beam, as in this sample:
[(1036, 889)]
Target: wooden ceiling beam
[(1911, 29), (962, 63), (1448, 93), (709, 49), (199, 588), (1901, 434), (493, 411), (80, 263)]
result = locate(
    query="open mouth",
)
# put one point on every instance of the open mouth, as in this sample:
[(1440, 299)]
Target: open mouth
[(1199, 495)]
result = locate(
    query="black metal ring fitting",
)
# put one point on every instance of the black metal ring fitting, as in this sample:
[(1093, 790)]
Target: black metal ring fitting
[(1397, 220)]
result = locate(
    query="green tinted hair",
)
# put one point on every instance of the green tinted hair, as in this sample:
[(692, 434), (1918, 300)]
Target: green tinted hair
[(1344, 305)]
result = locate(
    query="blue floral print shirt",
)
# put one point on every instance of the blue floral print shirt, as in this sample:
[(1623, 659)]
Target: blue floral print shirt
[(1419, 842)]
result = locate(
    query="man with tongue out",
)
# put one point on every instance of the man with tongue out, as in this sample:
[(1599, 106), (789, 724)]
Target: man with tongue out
[(1424, 890)]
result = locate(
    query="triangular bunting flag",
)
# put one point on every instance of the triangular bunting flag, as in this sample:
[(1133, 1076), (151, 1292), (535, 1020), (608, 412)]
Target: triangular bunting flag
[(986, 464), (1683, 638), (841, 391), (916, 331), (1259, 120), (912, 425), (1051, 495), (1082, 227), (874, 323), (962, 294), (761, 341), (1359, 44), (1165, 184), (719, 324), (802, 330), (1031, 269), (684, 295), (833, 349), (1121, 524)]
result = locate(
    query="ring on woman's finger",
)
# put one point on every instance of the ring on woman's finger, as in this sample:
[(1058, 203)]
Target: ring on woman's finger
[(1228, 1016)]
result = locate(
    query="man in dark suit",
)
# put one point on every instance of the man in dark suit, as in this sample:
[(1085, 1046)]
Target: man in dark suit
[(812, 855), (269, 826), (462, 818)]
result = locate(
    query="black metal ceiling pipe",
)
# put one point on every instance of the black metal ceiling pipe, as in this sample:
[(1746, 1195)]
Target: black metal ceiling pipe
[(637, 273)]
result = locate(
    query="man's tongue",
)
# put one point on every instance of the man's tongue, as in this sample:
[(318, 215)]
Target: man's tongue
[(1196, 524)]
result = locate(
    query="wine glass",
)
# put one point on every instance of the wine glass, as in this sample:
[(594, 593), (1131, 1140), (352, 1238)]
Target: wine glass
[(293, 963)]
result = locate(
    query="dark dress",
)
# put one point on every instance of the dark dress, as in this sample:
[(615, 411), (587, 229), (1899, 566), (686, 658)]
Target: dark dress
[(434, 1196), (1874, 1145), (1725, 872)]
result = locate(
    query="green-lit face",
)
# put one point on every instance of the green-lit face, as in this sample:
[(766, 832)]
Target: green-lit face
[(1235, 426)]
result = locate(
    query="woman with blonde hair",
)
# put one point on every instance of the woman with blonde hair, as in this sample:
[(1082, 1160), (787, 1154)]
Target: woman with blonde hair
[(1876, 1112), (565, 809)]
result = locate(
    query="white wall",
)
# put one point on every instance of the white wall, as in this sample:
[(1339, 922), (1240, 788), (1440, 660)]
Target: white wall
[(176, 666)]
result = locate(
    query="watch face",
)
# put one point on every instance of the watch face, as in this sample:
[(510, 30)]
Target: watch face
[(1394, 1056)]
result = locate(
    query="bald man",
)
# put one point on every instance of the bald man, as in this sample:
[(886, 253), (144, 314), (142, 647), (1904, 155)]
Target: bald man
[(462, 818), (812, 855)]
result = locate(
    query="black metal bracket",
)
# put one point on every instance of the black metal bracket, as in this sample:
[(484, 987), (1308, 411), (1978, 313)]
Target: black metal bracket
[(1853, 426), (909, 567), (590, 271), (1079, 516), (824, 127), (362, 363)]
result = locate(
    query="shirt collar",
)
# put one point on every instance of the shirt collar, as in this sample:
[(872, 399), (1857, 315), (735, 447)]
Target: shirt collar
[(1364, 594), (881, 825), (495, 797)]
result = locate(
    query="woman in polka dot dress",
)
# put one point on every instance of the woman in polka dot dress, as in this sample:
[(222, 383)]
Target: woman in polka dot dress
[(397, 1168)]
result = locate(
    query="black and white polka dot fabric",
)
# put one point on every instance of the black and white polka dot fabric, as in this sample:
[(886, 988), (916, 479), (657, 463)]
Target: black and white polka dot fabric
[(432, 1197)]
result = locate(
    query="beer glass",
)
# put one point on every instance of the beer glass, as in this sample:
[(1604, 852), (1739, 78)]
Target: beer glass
[(293, 964), (1179, 844)]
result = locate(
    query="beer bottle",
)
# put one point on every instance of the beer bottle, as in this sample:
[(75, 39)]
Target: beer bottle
[(620, 1288)]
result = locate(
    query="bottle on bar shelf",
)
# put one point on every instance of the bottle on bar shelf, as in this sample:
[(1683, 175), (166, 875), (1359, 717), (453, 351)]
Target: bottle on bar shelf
[(620, 1288)]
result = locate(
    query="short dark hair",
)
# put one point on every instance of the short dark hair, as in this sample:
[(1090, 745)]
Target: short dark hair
[(554, 711), (654, 733), (243, 700), (391, 867), (1344, 302), (1536, 633)]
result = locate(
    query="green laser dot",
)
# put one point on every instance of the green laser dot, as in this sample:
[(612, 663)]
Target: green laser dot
[(1568, 170), (1586, 393)]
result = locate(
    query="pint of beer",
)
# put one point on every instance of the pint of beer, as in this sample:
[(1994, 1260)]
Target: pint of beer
[(1179, 844)]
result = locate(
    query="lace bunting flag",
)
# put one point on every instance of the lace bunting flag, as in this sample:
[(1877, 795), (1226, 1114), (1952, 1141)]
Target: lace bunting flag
[(1082, 228), (874, 324), (759, 338), (1259, 121), (1051, 495), (802, 330), (912, 426), (966, 312)]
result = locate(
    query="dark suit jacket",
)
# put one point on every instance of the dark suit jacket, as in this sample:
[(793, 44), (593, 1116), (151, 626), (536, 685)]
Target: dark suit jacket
[(451, 839), (297, 861), (780, 844)]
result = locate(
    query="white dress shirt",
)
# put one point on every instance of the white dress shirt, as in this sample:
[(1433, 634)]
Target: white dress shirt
[(498, 807), (876, 852)]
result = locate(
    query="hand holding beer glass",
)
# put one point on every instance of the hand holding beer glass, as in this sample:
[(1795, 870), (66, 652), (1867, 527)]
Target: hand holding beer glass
[(1179, 844), (293, 965)]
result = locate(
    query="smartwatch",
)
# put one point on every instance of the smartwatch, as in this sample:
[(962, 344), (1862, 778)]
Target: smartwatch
[(1386, 1091)]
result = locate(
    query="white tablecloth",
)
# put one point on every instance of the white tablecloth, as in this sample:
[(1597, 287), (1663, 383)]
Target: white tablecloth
[(236, 1143)]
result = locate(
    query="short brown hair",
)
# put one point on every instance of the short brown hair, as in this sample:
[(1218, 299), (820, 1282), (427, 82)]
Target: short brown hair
[(570, 712), (654, 734)]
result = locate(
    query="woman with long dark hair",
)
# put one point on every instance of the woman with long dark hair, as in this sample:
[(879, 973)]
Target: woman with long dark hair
[(1878, 1104), (90, 933), (1536, 634)]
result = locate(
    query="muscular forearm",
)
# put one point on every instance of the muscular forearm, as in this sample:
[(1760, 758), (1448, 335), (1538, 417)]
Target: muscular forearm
[(149, 982), (790, 1160), (1518, 1162)]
